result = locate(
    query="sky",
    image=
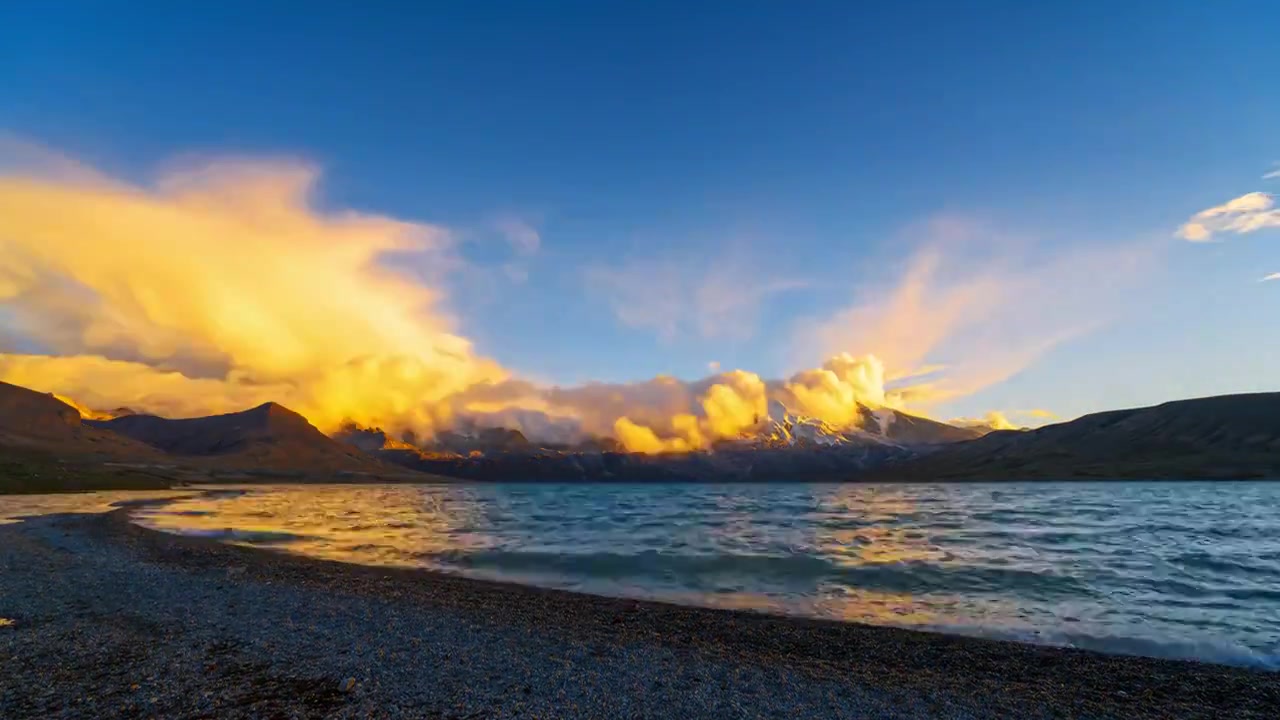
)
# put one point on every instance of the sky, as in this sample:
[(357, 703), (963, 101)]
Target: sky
[(1013, 206)]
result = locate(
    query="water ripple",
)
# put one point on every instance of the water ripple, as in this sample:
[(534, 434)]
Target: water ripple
[(1176, 569)]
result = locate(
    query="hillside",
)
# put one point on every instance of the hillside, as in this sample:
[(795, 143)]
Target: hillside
[(44, 446), (1223, 436), (37, 422), (906, 429), (269, 436)]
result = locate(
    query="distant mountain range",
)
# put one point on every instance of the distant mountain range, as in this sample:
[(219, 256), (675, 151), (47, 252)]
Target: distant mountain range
[(787, 446), (46, 443)]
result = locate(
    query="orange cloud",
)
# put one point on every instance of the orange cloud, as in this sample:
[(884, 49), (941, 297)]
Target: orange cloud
[(226, 272)]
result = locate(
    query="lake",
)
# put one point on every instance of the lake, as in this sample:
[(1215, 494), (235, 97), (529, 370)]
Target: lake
[(1184, 570)]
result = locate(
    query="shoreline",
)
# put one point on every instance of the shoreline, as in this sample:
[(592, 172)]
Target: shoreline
[(633, 648), (158, 482)]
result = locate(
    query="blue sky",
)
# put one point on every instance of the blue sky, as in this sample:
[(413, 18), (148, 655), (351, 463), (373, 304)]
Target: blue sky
[(796, 152)]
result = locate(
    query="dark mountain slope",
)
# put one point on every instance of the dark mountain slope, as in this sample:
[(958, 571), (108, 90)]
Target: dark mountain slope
[(44, 447), (907, 429), (269, 436), (1224, 436), (32, 421)]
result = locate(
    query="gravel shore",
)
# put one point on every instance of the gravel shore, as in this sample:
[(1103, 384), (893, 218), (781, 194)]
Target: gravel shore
[(103, 619)]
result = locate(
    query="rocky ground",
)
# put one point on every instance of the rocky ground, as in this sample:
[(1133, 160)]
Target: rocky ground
[(102, 619)]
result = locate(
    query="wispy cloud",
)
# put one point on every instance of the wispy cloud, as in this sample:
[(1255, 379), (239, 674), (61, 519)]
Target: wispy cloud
[(1245, 214), (521, 235), (1274, 174), (973, 307), (1272, 276), (719, 299)]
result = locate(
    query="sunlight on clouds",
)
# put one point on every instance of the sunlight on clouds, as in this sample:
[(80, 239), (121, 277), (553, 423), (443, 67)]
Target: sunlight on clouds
[(994, 420), (225, 274), (961, 317), (1006, 420), (1272, 276)]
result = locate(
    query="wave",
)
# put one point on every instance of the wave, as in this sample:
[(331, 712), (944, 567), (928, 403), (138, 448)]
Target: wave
[(1202, 650), (911, 576), (249, 537)]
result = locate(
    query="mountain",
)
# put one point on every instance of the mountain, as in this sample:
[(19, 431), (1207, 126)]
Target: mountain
[(32, 421), (906, 429), (45, 447), (785, 446), (269, 436), (1233, 436), (877, 426), (725, 464)]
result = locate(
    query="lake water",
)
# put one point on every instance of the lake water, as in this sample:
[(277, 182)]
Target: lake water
[(1188, 570)]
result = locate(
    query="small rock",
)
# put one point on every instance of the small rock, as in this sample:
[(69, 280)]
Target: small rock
[(347, 685)]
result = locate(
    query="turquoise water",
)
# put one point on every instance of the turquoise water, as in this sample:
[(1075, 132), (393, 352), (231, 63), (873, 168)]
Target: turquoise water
[(1186, 570)]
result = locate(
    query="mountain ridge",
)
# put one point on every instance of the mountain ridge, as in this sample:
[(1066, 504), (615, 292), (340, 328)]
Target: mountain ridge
[(40, 422), (268, 436), (1218, 436)]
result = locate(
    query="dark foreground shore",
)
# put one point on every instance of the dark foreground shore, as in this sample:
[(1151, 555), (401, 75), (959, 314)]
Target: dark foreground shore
[(107, 620)]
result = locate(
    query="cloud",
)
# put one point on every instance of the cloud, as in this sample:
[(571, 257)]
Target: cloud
[(994, 420), (1272, 276), (1245, 214), (1273, 174), (221, 284), (523, 237), (719, 299), (1006, 420), (972, 308)]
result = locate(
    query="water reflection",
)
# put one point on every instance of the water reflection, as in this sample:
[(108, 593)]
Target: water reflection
[(380, 525), (15, 507), (861, 525)]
